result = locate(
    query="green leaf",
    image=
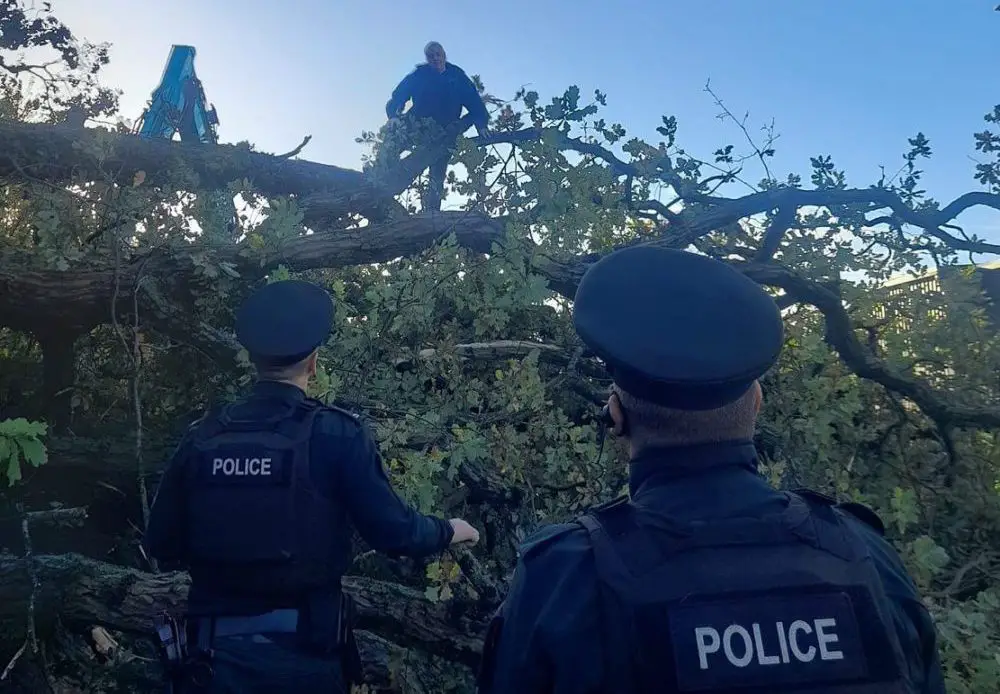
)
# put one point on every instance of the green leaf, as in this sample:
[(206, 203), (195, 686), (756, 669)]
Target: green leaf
[(13, 470), (929, 556), (19, 427), (33, 450), (904, 507)]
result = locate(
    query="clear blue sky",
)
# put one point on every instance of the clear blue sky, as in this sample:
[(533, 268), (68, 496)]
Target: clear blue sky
[(849, 78)]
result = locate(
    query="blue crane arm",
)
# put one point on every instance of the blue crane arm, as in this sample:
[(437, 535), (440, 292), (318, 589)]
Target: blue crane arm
[(178, 104)]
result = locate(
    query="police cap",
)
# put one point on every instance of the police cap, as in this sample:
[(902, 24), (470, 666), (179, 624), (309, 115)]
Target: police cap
[(283, 322), (675, 328)]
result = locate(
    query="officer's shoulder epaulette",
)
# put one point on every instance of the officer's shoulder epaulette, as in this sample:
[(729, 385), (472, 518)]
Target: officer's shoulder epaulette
[(347, 413), (814, 496), (543, 538), (854, 509), (616, 504), (193, 426), (863, 514), (323, 407)]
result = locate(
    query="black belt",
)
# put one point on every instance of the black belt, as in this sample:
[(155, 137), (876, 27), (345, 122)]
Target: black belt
[(284, 621), (274, 622)]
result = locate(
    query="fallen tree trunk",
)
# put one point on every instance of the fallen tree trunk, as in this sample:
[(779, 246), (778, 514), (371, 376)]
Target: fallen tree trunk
[(82, 591), (78, 301), (390, 666), (61, 154)]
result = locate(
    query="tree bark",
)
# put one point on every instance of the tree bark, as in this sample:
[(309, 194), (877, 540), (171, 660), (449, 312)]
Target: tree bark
[(60, 154), (80, 300), (81, 591)]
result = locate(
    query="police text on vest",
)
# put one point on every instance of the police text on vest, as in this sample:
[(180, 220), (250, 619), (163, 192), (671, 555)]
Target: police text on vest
[(800, 640), (774, 640), (241, 467)]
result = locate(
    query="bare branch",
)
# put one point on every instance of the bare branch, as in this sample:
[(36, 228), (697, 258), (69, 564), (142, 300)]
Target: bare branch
[(297, 150)]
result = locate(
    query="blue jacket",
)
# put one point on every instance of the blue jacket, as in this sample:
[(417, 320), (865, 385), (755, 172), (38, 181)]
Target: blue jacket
[(548, 636), (438, 95)]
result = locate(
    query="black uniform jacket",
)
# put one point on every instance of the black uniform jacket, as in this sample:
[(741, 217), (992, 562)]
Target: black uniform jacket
[(550, 637), (345, 466)]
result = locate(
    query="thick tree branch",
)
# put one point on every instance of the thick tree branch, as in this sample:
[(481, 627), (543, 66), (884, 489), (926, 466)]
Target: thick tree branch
[(841, 336), (394, 668), (79, 590), (78, 301), (780, 223), (58, 154)]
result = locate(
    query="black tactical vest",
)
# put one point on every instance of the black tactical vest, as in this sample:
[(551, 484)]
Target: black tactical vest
[(257, 525), (788, 603)]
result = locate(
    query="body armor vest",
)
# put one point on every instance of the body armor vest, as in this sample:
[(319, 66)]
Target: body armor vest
[(256, 522), (784, 603)]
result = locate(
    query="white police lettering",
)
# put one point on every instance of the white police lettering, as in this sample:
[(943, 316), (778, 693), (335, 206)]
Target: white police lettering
[(824, 639), (240, 467), (747, 647), (786, 645)]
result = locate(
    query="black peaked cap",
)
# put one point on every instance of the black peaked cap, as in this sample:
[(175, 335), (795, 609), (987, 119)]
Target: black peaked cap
[(283, 322), (676, 328)]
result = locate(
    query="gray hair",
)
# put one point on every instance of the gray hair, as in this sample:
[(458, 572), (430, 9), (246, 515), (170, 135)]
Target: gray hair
[(284, 372), (650, 424)]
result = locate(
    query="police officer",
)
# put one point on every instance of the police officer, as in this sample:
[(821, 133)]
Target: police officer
[(703, 578), (258, 503), (438, 90)]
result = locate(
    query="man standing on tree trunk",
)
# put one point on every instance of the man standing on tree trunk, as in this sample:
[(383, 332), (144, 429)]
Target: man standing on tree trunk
[(704, 577), (438, 90), (258, 503)]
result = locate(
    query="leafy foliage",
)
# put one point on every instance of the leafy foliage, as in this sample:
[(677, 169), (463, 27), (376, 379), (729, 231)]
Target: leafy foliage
[(20, 443), (49, 88), (466, 366)]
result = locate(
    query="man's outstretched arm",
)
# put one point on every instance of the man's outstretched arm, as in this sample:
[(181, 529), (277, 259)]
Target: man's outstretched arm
[(383, 519)]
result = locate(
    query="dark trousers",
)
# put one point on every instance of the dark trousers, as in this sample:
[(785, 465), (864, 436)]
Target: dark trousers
[(438, 172), (259, 664), (407, 133)]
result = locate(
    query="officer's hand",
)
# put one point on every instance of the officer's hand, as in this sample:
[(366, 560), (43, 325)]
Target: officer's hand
[(463, 532)]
